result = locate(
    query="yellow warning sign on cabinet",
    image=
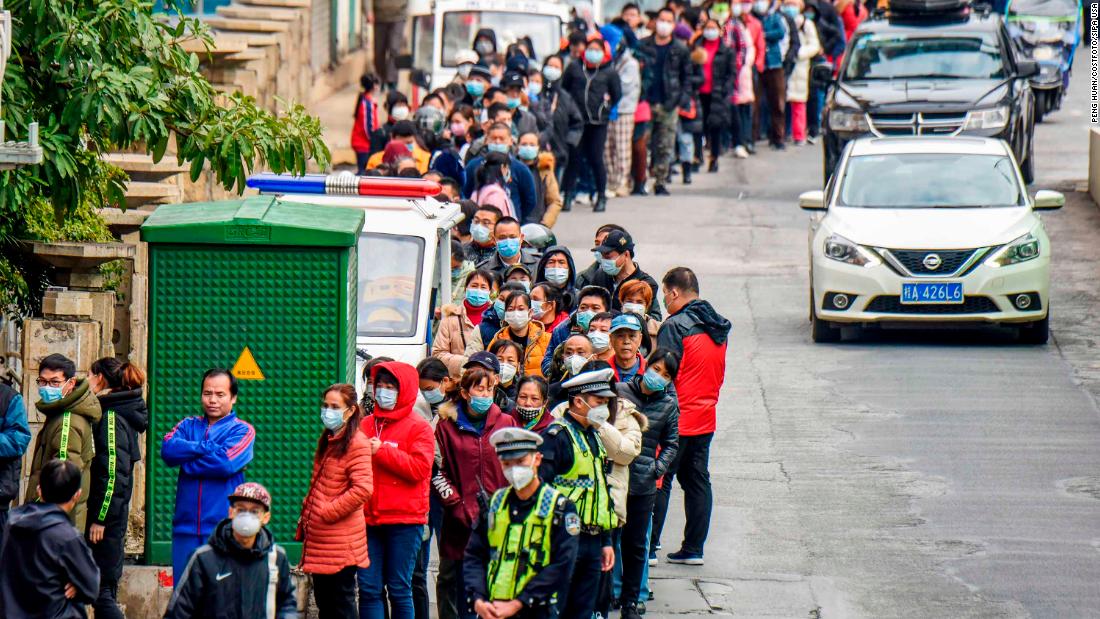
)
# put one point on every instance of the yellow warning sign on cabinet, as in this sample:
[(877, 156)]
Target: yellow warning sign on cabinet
[(246, 367)]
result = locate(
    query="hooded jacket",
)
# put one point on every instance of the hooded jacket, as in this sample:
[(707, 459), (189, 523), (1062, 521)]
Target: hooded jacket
[(486, 33), (15, 436), (42, 553), (569, 289), (115, 454), (595, 276), (596, 90), (561, 121), (67, 434), (211, 457), (227, 581), (699, 334), (452, 337), (660, 440), (470, 472), (402, 466)]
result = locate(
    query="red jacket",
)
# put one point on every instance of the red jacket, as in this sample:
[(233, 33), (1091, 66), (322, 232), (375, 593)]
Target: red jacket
[(756, 30), (331, 526), (403, 463), (366, 122), (470, 467), (699, 334)]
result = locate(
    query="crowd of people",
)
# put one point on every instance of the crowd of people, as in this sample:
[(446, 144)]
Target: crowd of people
[(619, 110)]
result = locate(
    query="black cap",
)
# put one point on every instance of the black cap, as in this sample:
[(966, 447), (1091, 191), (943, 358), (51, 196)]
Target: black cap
[(484, 359), (616, 240), (512, 79), (482, 71)]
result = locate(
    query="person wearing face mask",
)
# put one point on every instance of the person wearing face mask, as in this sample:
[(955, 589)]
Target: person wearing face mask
[(117, 384), (510, 357), (366, 121), (560, 119), (510, 251), (240, 562), (435, 382), (615, 255), (532, 396), (574, 460), (381, 134), (651, 393), (547, 306), (525, 580), (334, 540), (741, 41), (557, 269), (71, 409), (465, 59), (478, 82), (530, 335), (461, 268), (627, 343), (667, 91), (402, 455), (492, 181), (596, 87), (520, 184), (461, 129), (779, 46), (568, 360), (519, 274), (591, 300), (211, 451), (482, 244), (634, 297), (719, 79), (467, 476), (798, 83), (514, 85), (620, 129), (402, 143), (485, 44), (541, 165), (751, 15), (459, 322)]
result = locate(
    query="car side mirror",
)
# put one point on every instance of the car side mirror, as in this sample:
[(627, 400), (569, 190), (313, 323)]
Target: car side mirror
[(822, 74), (404, 61), (812, 200), (1027, 68), (1047, 200)]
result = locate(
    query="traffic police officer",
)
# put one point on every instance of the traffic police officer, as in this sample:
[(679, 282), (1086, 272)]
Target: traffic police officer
[(574, 461), (521, 554)]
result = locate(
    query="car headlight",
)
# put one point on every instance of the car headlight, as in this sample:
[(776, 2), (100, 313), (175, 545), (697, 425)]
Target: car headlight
[(842, 250), (848, 120), (1021, 250), (991, 118)]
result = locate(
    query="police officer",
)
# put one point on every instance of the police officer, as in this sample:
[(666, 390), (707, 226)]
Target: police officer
[(574, 461), (521, 554)]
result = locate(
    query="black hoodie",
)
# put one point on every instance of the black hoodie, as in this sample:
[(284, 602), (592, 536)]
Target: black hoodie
[(569, 289), (112, 478), (42, 553), (228, 581)]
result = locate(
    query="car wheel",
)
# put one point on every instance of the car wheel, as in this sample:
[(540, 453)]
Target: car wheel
[(1040, 107), (1036, 333), (1027, 167), (821, 331)]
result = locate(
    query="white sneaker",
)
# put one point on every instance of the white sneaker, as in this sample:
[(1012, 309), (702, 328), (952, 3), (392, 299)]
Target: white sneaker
[(811, 139), (740, 152)]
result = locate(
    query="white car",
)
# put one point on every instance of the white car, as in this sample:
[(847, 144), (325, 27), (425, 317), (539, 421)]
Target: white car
[(929, 230)]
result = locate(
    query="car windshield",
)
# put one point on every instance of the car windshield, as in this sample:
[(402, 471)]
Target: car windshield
[(885, 56), (460, 27), (928, 180), (1044, 8), (390, 268)]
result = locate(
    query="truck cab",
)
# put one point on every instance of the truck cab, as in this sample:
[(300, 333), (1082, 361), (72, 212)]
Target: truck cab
[(403, 254)]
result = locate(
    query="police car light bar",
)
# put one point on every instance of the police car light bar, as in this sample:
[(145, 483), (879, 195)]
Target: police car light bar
[(344, 184)]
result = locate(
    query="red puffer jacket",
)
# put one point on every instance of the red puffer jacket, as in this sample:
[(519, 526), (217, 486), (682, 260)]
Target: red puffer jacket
[(470, 466), (403, 463), (331, 527), (699, 334)]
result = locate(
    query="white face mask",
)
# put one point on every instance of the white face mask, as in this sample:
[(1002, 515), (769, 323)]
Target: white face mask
[(574, 363), (600, 341), (598, 415), (519, 476), (507, 373), (665, 28), (634, 308), (399, 113), (517, 319), (246, 524)]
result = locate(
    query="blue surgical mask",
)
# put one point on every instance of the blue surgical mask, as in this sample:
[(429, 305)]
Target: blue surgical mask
[(594, 57), (654, 381), (49, 394), (791, 10), (455, 272), (557, 275), (512, 102), (508, 248), (498, 307), (480, 404), (608, 265), (527, 152), (432, 396), (477, 297), (386, 398), (332, 418), (480, 233), (552, 74), (760, 7), (410, 146), (536, 308), (475, 87), (533, 91), (600, 341), (497, 148), (584, 319)]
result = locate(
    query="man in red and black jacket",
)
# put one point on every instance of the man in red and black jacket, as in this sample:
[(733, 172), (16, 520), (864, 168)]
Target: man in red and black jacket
[(699, 335)]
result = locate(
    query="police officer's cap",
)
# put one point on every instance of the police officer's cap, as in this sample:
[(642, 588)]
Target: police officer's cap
[(595, 382), (514, 442)]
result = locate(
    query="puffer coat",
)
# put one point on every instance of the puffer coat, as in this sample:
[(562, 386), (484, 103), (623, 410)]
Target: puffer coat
[(331, 527), (663, 415)]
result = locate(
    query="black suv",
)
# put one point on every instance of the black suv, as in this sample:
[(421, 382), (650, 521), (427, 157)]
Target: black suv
[(946, 73)]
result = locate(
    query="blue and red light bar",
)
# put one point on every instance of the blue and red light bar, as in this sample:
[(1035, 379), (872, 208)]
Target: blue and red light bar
[(344, 185)]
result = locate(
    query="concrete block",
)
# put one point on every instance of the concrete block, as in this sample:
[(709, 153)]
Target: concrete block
[(103, 312), (81, 280), (78, 341), (67, 303)]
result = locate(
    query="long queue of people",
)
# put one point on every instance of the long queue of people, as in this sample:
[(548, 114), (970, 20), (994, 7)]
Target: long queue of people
[(619, 105)]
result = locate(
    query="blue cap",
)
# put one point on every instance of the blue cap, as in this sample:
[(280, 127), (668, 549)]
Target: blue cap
[(626, 321)]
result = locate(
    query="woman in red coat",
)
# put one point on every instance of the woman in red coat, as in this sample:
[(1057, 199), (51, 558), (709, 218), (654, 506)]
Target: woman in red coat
[(402, 452), (469, 474), (334, 541)]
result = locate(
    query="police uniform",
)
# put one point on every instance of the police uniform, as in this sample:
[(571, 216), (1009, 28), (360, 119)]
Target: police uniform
[(575, 462), (522, 549)]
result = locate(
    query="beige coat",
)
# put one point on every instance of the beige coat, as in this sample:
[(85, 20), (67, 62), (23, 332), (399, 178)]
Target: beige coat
[(622, 440), (452, 337)]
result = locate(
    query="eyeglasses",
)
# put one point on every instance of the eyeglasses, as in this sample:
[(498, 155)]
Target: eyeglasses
[(57, 382)]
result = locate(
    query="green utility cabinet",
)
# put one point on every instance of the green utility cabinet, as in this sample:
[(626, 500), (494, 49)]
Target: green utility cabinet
[(265, 288)]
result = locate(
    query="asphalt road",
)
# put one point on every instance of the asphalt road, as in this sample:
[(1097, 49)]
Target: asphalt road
[(911, 474)]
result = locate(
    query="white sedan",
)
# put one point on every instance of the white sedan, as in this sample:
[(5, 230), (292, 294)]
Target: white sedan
[(929, 229)]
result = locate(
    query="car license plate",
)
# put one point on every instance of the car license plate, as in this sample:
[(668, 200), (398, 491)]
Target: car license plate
[(931, 292)]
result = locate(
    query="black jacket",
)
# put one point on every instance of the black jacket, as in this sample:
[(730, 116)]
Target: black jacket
[(226, 581), (723, 78), (675, 71), (126, 410), (42, 553), (560, 122), (568, 290), (830, 28), (594, 276), (14, 438), (663, 413), (596, 91)]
